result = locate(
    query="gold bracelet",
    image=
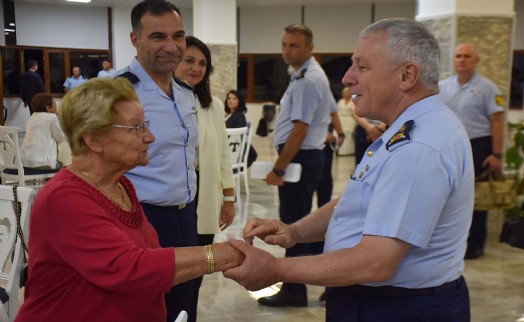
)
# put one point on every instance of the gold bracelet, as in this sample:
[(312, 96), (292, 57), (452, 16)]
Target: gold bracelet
[(210, 259)]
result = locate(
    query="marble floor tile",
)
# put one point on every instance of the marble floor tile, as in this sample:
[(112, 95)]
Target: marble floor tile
[(496, 280)]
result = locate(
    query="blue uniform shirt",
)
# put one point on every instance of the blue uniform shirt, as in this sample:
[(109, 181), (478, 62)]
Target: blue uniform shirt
[(473, 103), (307, 99), (169, 178), (419, 190), (106, 73), (72, 82)]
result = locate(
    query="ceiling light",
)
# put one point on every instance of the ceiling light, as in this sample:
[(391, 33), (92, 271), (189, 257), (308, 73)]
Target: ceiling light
[(83, 1)]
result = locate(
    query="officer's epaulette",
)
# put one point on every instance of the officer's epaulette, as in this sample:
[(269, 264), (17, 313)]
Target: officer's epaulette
[(401, 137), (302, 73), (182, 82), (130, 77)]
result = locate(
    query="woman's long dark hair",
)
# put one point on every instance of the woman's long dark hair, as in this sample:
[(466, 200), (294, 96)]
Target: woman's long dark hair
[(241, 102), (202, 89)]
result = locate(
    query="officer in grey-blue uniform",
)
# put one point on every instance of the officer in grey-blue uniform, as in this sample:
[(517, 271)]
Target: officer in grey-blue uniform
[(478, 104), (299, 137), (167, 186), (395, 239)]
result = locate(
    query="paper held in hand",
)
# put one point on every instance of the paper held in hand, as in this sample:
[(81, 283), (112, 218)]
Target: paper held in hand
[(259, 170)]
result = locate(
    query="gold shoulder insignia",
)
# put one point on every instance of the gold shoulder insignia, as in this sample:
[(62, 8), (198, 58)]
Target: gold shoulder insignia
[(401, 136), (302, 73), (499, 99)]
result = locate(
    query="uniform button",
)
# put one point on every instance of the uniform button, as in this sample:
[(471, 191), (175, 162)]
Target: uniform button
[(370, 153), (360, 175)]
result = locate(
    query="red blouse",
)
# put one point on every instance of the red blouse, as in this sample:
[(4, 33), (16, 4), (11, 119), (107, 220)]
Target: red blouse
[(90, 260)]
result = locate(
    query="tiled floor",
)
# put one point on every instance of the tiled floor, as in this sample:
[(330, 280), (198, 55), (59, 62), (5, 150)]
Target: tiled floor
[(496, 281)]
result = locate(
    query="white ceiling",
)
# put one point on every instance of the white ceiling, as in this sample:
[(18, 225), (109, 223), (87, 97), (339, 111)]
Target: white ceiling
[(240, 3)]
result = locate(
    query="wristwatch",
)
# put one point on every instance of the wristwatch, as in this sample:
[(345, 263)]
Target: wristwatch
[(230, 198), (279, 172)]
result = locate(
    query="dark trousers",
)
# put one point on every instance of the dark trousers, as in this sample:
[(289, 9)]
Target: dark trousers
[(361, 143), (296, 200), (324, 191), (448, 303), (177, 228), (478, 231)]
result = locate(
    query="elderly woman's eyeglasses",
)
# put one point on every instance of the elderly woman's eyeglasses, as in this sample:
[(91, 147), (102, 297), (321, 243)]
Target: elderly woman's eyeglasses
[(138, 129)]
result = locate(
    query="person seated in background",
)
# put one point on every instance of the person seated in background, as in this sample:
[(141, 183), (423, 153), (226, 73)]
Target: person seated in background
[(75, 79), (106, 71), (90, 240), (43, 135), (235, 107)]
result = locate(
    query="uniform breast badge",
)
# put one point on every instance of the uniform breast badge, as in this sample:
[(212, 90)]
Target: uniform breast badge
[(401, 137)]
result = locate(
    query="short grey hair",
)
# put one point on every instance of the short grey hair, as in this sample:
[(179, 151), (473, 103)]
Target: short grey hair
[(409, 41)]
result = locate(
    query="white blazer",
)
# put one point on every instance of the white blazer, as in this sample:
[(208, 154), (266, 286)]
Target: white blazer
[(214, 165)]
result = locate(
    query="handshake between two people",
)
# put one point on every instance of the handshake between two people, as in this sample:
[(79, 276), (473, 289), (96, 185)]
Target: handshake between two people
[(258, 269)]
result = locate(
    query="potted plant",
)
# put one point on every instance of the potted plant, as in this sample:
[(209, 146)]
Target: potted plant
[(513, 228)]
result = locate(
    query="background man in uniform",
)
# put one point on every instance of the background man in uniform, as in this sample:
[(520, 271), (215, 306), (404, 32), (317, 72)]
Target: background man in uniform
[(166, 187), (299, 137), (106, 71), (478, 104), (395, 242), (31, 84), (75, 79)]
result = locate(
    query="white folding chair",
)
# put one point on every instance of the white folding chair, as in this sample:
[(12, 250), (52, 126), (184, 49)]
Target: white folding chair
[(237, 138), (11, 246), (11, 169), (246, 155)]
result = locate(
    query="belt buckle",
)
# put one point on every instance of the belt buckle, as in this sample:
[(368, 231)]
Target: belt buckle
[(182, 206)]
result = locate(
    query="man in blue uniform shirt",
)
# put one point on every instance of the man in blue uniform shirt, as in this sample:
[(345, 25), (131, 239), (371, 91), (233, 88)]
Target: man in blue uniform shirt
[(166, 187), (478, 104), (299, 137), (396, 238), (75, 79)]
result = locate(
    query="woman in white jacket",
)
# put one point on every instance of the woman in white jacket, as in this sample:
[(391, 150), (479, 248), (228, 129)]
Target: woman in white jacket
[(43, 134), (215, 203)]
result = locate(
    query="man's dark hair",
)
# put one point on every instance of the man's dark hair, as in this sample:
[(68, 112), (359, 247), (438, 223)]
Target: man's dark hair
[(153, 7), (31, 63), (303, 29), (202, 89)]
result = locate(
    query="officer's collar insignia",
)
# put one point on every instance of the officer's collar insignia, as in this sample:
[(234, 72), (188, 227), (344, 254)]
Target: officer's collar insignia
[(402, 136), (499, 99), (301, 74)]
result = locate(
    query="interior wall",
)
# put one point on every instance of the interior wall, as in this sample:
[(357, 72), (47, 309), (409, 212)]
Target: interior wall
[(336, 27), (47, 25), (260, 28)]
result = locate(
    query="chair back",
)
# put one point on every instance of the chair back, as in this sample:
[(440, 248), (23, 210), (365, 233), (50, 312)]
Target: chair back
[(237, 139), (248, 144), (11, 169), (11, 251), (9, 150)]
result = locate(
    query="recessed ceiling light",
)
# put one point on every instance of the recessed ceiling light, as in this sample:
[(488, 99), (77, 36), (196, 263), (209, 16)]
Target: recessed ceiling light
[(83, 1)]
